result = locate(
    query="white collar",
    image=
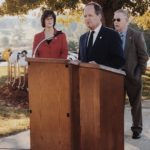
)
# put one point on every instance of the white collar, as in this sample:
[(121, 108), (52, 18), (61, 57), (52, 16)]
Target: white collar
[(124, 31), (97, 28)]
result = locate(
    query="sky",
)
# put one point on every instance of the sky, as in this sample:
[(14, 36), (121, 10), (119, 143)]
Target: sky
[(1, 1), (23, 28)]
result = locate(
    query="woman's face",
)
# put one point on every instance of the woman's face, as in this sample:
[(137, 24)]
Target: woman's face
[(49, 22)]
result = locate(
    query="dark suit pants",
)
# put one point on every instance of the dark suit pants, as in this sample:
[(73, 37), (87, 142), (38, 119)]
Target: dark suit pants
[(134, 91)]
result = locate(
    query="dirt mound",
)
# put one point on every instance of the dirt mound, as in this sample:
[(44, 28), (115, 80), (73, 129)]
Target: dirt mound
[(14, 97)]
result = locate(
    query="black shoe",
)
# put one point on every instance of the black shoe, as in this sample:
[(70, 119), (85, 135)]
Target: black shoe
[(136, 135)]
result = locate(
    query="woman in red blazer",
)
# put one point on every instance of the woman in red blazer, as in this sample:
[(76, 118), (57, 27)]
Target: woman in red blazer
[(50, 43)]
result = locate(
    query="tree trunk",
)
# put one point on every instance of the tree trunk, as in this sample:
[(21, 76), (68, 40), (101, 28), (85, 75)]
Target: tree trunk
[(108, 16), (109, 8)]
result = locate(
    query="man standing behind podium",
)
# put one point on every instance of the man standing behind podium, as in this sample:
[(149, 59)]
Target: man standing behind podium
[(100, 45), (136, 57)]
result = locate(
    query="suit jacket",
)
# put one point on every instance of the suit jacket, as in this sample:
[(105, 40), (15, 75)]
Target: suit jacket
[(136, 55), (107, 49), (57, 48)]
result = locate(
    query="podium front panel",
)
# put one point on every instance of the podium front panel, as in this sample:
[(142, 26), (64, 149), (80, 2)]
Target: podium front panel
[(101, 109), (112, 100), (49, 94), (89, 109)]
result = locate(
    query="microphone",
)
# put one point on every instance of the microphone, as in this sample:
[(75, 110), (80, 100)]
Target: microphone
[(36, 48)]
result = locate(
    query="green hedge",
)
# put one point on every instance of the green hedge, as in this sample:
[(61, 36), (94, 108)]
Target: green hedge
[(146, 85)]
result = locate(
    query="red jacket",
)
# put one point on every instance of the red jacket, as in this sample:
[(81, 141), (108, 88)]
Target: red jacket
[(57, 48)]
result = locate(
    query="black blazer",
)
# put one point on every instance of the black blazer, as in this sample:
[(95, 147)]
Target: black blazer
[(107, 49)]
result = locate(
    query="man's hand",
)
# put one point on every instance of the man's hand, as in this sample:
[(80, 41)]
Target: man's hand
[(92, 62)]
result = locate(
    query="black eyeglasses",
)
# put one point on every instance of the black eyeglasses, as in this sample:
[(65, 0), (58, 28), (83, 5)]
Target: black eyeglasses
[(118, 20)]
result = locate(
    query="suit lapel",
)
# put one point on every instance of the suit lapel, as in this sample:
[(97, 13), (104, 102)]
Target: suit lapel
[(85, 40), (128, 41)]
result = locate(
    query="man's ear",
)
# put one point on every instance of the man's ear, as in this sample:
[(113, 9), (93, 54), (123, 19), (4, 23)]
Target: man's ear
[(100, 16)]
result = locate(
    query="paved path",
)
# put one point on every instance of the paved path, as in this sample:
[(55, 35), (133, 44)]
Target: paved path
[(144, 142), (21, 141)]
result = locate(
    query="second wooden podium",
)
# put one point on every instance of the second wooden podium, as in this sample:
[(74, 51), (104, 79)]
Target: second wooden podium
[(101, 107)]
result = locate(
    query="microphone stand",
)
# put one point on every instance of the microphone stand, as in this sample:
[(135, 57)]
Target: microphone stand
[(36, 48)]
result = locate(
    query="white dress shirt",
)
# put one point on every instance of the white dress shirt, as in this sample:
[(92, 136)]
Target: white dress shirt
[(96, 31)]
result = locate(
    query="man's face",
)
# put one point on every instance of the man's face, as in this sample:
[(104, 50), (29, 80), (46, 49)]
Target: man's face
[(92, 20), (120, 22)]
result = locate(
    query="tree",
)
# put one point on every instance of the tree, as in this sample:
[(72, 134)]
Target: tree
[(143, 21), (18, 7)]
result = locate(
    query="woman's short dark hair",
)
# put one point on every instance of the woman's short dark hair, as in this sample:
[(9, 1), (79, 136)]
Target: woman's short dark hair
[(48, 13)]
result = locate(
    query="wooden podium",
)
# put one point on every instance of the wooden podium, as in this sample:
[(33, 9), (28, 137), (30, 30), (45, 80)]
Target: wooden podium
[(54, 122), (75, 106), (101, 107)]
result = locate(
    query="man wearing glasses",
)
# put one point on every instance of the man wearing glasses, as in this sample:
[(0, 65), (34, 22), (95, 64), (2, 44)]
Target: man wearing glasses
[(100, 45), (136, 57)]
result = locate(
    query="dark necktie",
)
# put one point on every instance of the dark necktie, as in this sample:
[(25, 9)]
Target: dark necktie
[(90, 44)]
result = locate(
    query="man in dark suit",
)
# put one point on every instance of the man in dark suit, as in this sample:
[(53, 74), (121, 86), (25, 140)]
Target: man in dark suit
[(136, 57), (100, 45)]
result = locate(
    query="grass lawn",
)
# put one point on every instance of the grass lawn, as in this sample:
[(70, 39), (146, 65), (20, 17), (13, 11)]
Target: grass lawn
[(13, 119)]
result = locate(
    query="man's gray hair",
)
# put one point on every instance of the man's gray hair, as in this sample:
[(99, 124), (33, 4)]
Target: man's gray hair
[(124, 12)]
